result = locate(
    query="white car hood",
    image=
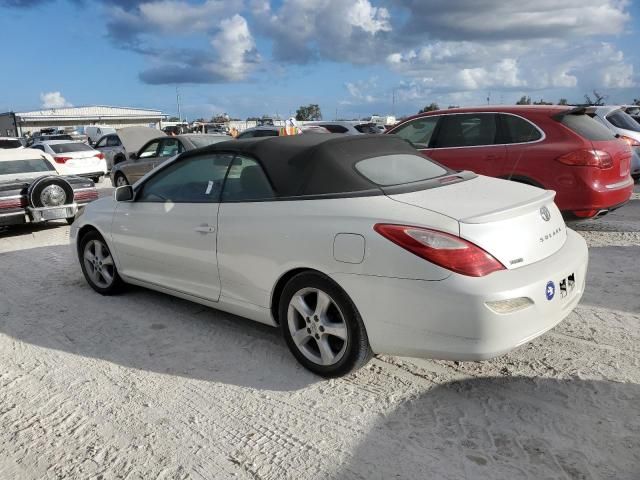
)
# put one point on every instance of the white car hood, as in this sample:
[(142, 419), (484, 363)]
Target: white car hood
[(507, 219)]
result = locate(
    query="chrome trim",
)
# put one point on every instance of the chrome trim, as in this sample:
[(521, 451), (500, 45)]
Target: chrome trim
[(542, 139), (613, 186), (11, 197)]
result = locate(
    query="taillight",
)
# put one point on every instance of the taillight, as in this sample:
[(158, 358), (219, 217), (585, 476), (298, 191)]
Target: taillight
[(61, 159), (632, 142), (443, 249), (100, 155), (587, 158)]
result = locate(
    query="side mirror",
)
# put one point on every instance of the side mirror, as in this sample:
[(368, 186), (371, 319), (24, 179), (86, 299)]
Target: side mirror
[(133, 156), (124, 194)]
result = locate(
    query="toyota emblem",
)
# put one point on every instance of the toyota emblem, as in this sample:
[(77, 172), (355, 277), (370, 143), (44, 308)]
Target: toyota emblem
[(545, 214)]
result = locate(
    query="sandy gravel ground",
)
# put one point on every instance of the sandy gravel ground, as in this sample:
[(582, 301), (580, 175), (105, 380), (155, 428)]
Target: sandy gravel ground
[(144, 386)]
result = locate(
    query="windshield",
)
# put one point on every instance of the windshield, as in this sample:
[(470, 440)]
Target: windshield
[(398, 169), (622, 120), (70, 147), (10, 143), (25, 166), (203, 141)]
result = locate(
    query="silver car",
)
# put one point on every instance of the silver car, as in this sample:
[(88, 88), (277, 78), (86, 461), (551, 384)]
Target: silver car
[(621, 123), (117, 147), (347, 128), (156, 151)]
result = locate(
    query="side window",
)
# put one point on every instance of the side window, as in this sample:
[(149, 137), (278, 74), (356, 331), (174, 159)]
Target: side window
[(192, 180), (467, 130), (246, 134), (418, 131), (113, 141), (39, 147), (246, 182), (518, 130), (150, 150), (169, 147), (102, 142), (335, 128)]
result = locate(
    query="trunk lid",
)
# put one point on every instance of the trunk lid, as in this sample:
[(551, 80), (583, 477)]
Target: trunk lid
[(517, 224)]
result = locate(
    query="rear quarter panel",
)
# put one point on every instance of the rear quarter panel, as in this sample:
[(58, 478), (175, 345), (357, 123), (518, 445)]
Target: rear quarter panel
[(259, 242)]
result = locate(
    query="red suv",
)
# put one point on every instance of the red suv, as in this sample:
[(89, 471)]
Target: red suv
[(553, 147)]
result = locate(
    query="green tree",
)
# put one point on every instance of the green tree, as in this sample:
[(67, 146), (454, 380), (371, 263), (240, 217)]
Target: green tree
[(309, 112), (524, 100), (542, 102), (563, 101), (430, 108)]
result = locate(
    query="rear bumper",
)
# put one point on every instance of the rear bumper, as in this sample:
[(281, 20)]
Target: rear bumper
[(586, 197), (450, 319)]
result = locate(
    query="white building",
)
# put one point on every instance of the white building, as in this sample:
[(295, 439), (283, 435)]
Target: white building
[(19, 123)]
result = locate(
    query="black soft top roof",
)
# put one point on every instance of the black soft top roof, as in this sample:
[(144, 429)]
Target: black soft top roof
[(314, 164)]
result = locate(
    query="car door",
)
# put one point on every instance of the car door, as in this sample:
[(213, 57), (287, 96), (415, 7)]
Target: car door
[(470, 141), (245, 228), (166, 236), (523, 162), (418, 132), (146, 159)]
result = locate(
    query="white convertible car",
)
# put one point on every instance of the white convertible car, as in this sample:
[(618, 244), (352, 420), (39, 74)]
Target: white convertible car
[(352, 245)]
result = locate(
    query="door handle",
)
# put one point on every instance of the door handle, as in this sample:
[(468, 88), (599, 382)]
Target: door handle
[(205, 228)]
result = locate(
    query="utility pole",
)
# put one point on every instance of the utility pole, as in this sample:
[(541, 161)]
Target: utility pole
[(393, 102), (178, 103)]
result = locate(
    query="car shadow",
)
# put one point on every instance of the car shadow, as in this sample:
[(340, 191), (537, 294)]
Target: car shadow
[(28, 228), (506, 428), (45, 301)]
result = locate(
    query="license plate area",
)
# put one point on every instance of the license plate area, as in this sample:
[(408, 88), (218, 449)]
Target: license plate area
[(567, 285), (54, 213)]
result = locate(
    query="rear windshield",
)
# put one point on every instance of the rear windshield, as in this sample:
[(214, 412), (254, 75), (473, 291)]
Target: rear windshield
[(367, 128), (10, 143), (622, 120), (398, 169), (586, 127), (70, 147), (25, 166), (203, 141)]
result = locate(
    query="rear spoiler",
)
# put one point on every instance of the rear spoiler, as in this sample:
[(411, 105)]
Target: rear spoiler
[(514, 210), (571, 111)]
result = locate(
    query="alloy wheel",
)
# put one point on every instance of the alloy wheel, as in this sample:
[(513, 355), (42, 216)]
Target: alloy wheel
[(99, 263), (317, 326)]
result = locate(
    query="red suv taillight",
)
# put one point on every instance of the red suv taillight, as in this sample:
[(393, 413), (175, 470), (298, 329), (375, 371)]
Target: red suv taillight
[(443, 249), (587, 158), (100, 155), (61, 159)]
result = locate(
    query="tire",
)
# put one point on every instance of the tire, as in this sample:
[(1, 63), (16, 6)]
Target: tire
[(345, 349), (70, 220), (96, 270), (96, 179), (636, 178), (50, 192), (120, 180)]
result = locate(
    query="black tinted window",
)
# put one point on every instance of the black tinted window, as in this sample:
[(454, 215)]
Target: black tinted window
[(113, 141), (418, 131), (192, 180), (70, 147), (25, 166), (622, 120), (518, 130), (246, 182), (10, 143), (267, 133), (367, 128), (467, 130), (398, 169), (586, 127), (335, 128)]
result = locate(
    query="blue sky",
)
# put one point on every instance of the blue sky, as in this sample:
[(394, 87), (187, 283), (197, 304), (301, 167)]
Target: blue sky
[(257, 57)]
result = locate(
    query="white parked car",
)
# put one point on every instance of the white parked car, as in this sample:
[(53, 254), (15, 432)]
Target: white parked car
[(353, 245), (616, 119), (75, 158)]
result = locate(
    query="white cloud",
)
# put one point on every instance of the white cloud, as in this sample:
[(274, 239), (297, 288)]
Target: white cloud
[(369, 18), (54, 100), (235, 47)]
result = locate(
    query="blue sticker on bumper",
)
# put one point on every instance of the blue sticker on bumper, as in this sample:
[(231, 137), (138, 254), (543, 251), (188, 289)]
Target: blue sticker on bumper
[(551, 290)]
